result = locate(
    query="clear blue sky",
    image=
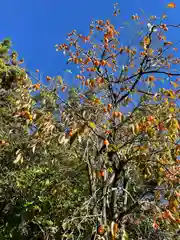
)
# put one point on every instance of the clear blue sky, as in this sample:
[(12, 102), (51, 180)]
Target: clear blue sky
[(35, 26)]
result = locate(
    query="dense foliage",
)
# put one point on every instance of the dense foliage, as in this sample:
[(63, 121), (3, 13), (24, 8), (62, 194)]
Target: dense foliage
[(97, 161)]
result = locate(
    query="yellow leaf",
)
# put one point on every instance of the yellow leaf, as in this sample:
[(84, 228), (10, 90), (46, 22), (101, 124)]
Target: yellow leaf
[(171, 5), (110, 169), (158, 195), (146, 40), (137, 128), (175, 122), (171, 110), (170, 94), (161, 169), (153, 17), (164, 16), (151, 51), (60, 80), (92, 125), (175, 203), (166, 101)]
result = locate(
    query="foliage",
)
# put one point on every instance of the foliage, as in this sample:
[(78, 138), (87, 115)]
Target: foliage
[(100, 161), (39, 187)]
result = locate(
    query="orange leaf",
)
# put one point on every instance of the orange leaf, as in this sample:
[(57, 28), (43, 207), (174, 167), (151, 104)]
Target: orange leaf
[(167, 43), (175, 49), (48, 78), (174, 84), (106, 142), (146, 40), (151, 78), (115, 228), (36, 86), (171, 5), (171, 216), (178, 194), (101, 229)]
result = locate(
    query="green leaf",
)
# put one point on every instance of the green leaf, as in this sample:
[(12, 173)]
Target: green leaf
[(37, 208), (1, 236), (113, 147), (47, 182), (28, 204), (49, 222), (140, 33), (68, 70), (125, 235), (90, 52)]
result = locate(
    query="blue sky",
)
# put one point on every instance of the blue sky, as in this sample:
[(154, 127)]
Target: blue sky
[(35, 26)]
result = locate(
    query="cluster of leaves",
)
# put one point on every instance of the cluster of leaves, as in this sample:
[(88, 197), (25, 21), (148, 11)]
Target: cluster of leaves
[(132, 147), (38, 186), (102, 161)]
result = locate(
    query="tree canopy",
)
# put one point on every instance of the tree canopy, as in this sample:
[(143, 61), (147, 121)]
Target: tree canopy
[(99, 160)]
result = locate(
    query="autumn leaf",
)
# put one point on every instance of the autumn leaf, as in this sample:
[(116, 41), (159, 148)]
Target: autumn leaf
[(168, 214), (171, 5), (175, 49), (177, 194), (73, 137), (151, 78), (150, 51), (92, 125), (135, 17), (146, 42), (155, 225), (171, 110), (174, 84), (48, 78), (59, 78), (167, 43)]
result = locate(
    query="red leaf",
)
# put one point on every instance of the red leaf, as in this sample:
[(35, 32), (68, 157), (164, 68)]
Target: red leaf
[(155, 225)]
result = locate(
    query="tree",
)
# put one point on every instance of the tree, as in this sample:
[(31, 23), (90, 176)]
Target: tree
[(127, 129), (38, 186), (97, 161)]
